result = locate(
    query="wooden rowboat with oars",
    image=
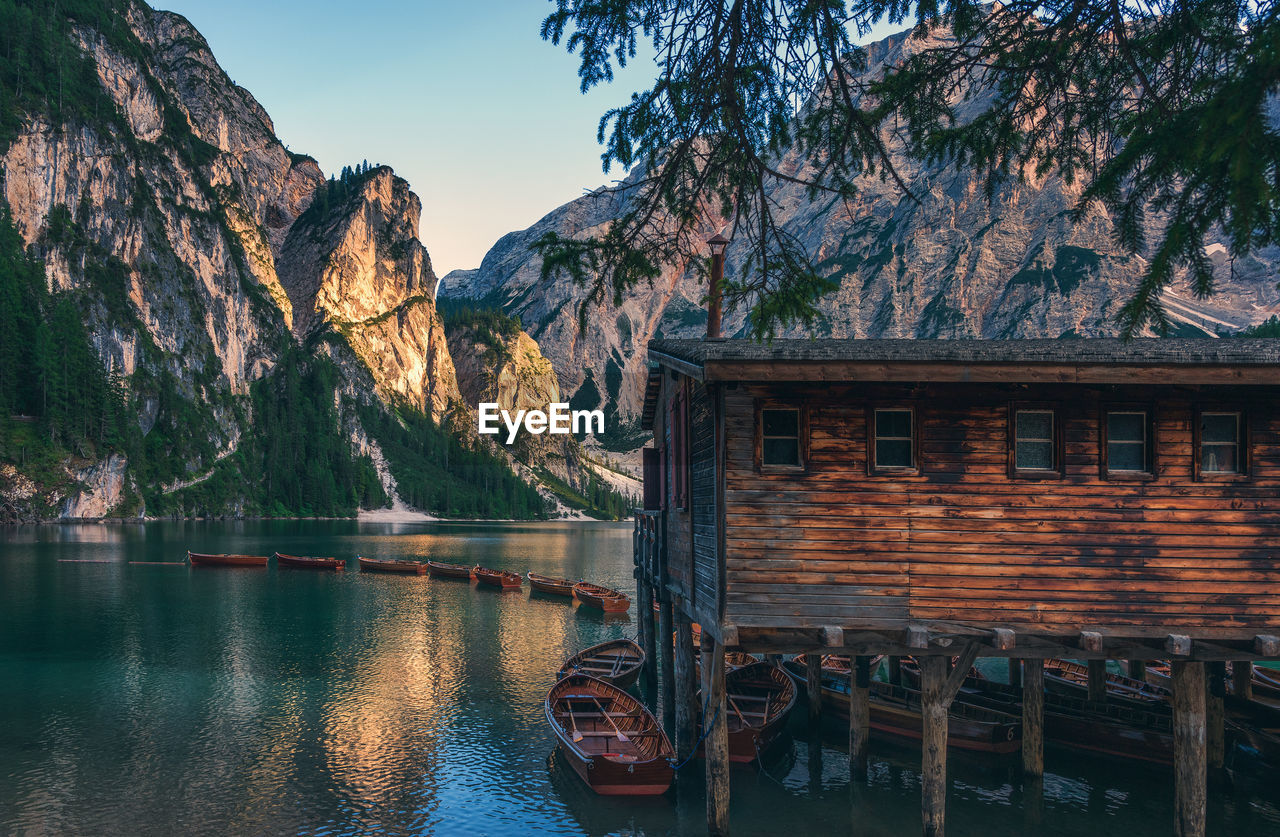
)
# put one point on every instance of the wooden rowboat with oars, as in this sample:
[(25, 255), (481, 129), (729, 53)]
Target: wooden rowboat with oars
[(610, 740), (604, 598), (497, 578), (617, 661), (1072, 678), (307, 563), (439, 569), (550, 585), (387, 565), (199, 559), (759, 698)]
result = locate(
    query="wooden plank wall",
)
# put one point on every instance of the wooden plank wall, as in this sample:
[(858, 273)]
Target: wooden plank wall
[(962, 541), (679, 540), (702, 498)]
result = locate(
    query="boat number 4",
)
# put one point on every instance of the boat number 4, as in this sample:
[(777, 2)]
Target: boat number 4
[(558, 419)]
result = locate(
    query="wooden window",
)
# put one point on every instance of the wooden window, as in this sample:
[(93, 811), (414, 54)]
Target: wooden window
[(679, 418), (1128, 443), (893, 440), (1221, 444), (782, 436), (1035, 441)]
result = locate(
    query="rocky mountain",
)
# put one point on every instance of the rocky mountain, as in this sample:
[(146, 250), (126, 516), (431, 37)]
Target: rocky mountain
[(215, 327), (952, 264)]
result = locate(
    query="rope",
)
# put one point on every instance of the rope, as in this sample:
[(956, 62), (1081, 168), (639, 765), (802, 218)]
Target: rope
[(706, 730)]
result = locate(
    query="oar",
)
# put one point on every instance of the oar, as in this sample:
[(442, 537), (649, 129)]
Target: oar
[(577, 736), (621, 737)]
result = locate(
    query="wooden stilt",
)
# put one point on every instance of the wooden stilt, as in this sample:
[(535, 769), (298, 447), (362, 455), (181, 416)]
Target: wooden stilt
[(1033, 718), (687, 707), (648, 640), (860, 718), (933, 756), (1098, 680), (1189, 757), (1215, 719), (1137, 669), (895, 671), (668, 678), (813, 686), (1015, 672), (717, 741), (1242, 679)]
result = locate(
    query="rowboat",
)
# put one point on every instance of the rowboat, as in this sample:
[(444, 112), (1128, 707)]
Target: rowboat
[(497, 578), (198, 559), (758, 698), (612, 742), (442, 570), (302, 562), (895, 711), (387, 565), (1072, 678), (593, 595), (549, 585), (618, 662)]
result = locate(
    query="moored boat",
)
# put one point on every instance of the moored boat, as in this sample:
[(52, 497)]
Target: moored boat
[(439, 569), (550, 585), (617, 661), (759, 698), (610, 740), (497, 578), (200, 559), (1072, 678), (387, 565), (309, 563), (604, 598)]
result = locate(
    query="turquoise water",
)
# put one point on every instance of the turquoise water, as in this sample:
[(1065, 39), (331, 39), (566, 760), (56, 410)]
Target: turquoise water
[(142, 699)]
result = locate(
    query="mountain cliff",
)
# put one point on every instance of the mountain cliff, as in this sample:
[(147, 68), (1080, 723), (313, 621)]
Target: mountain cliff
[(945, 262)]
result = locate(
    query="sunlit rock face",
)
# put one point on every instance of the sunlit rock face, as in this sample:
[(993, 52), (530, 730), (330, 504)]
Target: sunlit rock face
[(197, 202), (942, 262)]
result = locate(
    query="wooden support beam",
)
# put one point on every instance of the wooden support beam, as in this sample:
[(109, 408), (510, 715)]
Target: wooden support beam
[(895, 670), (860, 717), (716, 745), (1033, 718), (1015, 671), (1003, 639), (813, 686), (1215, 720), (687, 707), (933, 738), (917, 636), (1137, 669), (1265, 645), (1091, 641), (1178, 645), (1098, 681), (648, 634), (833, 637), (956, 676), (666, 628), (1189, 756), (1242, 679)]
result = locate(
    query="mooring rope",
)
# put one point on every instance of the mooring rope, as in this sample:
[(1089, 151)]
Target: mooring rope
[(706, 730)]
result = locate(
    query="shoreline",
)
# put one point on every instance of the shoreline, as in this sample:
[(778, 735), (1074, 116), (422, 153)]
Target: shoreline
[(375, 516)]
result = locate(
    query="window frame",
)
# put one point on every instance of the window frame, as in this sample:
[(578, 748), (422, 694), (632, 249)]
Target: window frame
[(1242, 444), (1151, 470), (1058, 471), (876, 470), (802, 411)]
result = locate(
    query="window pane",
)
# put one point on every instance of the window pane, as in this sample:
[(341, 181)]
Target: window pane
[(893, 453), (1126, 427), (1219, 458), (893, 423), (1036, 456), (1035, 424), (780, 452), (1126, 456), (781, 422), (1218, 427)]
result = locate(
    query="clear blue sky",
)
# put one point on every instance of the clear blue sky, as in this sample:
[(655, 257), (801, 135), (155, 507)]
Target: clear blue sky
[(464, 100)]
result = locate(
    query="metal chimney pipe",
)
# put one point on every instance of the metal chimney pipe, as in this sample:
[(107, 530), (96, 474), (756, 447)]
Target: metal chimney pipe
[(718, 244)]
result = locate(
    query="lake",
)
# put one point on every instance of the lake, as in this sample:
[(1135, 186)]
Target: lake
[(150, 699)]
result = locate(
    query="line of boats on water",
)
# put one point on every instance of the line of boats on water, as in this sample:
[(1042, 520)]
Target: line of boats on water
[(591, 595), (617, 746)]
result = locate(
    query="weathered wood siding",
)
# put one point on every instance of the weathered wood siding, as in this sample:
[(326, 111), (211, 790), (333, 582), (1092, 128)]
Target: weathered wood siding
[(702, 498), (964, 542), (679, 540)]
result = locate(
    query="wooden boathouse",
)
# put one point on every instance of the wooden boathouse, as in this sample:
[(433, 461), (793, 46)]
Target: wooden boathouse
[(1092, 499)]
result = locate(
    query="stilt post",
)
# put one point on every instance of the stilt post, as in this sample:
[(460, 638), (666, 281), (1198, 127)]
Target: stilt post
[(1242, 679), (648, 640), (717, 740), (1015, 671), (1097, 681), (1190, 773), (1215, 719), (860, 717), (813, 685), (933, 755), (687, 708), (895, 671), (665, 630), (1138, 669), (1033, 718)]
